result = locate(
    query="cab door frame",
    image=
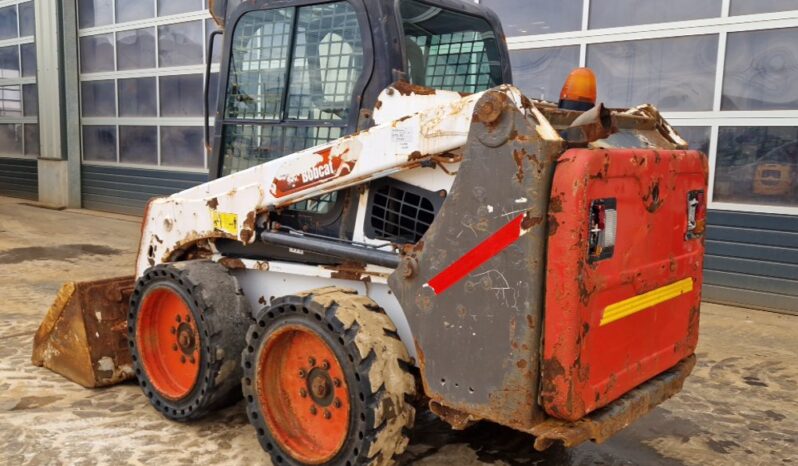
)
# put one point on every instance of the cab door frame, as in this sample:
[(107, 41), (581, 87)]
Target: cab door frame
[(233, 18), (333, 221)]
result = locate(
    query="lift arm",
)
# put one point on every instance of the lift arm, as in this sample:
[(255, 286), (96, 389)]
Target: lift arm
[(229, 207)]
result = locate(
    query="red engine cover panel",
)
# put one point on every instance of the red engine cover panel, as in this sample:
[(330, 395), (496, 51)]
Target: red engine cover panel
[(614, 323)]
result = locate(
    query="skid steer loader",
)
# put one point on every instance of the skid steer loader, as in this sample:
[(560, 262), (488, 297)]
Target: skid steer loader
[(389, 223)]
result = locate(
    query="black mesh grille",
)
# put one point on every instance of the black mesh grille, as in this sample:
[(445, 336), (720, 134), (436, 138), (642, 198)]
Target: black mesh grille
[(400, 213), (457, 62)]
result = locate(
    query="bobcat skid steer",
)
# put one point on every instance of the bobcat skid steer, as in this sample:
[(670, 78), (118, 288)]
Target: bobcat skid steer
[(389, 223)]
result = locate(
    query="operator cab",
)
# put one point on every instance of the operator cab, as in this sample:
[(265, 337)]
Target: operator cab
[(299, 73)]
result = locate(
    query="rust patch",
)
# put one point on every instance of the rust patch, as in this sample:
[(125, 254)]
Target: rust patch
[(605, 168), (417, 155), (199, 250), (555, 204), (350, 271), (262, 301), (531, 222), (455, 418), (232, 263), (378, 105), (584, 293), (551, 370), (605, 423), (406, 88), (213, 203), (638, 161), (490, 108), (530, 321), (652, 198), (519, 155), (248, 228), (534, 159), (84, 334), (249, 223), (554, 225)]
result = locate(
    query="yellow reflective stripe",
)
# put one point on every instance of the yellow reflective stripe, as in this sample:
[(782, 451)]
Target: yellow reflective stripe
[(634, 305)]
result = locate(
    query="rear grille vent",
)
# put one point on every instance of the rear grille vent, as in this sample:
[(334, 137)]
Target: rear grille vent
[(400, 212)]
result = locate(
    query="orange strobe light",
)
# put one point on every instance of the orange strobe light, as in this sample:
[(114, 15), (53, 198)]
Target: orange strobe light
[(579, 91)]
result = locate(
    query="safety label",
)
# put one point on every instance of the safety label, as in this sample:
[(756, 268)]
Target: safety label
[(226, 222)]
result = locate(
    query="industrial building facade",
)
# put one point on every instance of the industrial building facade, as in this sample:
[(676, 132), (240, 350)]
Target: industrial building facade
[(101, 105)]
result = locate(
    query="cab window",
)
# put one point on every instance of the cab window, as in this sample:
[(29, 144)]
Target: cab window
[(293, 73), (449, 50)]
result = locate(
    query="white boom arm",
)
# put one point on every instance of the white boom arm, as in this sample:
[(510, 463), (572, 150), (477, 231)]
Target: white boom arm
[(422, 125)]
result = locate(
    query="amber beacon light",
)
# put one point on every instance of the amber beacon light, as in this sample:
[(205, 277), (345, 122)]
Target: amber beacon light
[(579, 91)]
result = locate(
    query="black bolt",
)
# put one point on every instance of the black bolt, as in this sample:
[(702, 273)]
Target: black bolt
[(325, 365), (337, 382), (174, 346), (327, 414), (302, 373), (178, 319), (303, 393), (337, 403), (313, 410), (188, 317), (312, 361), (182, 359), (173, 330), (192, 360)]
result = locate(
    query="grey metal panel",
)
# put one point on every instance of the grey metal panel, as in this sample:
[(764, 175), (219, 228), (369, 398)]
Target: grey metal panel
[(752, 267), (752, 260), (752, 251), (753, 220), (495, 309), (749, 298), (127, 190), (753, 236), (746, 281), (19, 178), (70, 96)]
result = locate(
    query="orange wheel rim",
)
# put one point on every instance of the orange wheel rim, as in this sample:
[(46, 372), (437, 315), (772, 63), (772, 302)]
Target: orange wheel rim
[(168, 343), (303, 394)]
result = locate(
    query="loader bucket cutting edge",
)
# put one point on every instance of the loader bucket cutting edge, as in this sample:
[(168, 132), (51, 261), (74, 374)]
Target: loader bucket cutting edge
[(83, 337)]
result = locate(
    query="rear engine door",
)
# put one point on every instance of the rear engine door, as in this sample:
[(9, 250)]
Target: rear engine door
[(624, 273)]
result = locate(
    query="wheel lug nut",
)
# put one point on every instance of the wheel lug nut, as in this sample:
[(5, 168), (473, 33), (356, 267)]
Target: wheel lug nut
[(313, 410), (178, 319), (325, 365), (173, 330), (303, 393), (188, 318), (192, 360), (312, 361), (337, 382), (302, 373), (327, 414), (337, 403), (174, 347), (182, 359)]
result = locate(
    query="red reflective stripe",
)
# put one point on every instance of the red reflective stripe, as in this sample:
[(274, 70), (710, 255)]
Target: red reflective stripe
[(477, 256)]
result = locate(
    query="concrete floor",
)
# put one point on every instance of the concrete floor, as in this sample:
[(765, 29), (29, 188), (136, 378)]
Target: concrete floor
[(739, 407)]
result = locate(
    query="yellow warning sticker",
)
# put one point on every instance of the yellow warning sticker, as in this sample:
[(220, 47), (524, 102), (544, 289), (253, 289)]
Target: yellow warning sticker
[(225, 222)]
